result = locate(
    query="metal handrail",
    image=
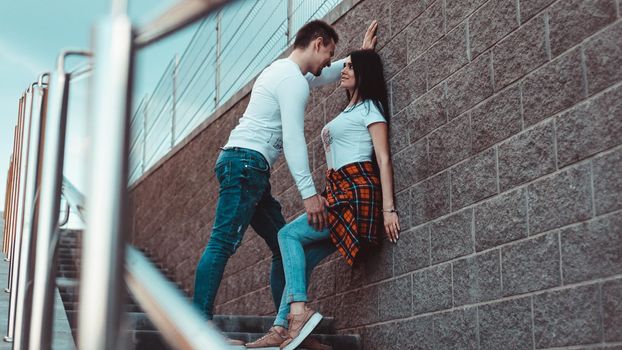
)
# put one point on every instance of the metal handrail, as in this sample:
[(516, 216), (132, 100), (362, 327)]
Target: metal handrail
[(40, 334), (23, 128), (104, 243), (177, 17), (21, 291), (182, 326), (104, 240)]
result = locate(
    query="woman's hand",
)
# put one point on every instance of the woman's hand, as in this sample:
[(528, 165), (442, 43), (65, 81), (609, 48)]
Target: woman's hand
[(392, 226)]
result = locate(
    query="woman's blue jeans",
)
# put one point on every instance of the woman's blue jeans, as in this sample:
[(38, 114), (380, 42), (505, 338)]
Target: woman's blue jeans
[(302, 248)]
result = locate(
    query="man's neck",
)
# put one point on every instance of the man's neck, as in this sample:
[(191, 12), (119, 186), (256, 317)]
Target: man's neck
[(298, 56)]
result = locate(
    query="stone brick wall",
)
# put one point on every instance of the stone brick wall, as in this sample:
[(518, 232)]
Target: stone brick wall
[(506, 140)]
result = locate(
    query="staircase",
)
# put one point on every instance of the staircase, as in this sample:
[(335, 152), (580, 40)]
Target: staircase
[(142, 335)]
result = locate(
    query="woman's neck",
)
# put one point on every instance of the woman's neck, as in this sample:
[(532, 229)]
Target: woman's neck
[(354, 99)]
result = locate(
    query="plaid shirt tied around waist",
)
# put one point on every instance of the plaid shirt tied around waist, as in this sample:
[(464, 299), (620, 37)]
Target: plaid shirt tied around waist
[(355, 207)]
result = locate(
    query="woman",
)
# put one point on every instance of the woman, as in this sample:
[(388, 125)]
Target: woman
[(359, 196)]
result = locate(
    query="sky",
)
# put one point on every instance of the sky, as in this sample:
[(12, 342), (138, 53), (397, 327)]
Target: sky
[(32, 34)]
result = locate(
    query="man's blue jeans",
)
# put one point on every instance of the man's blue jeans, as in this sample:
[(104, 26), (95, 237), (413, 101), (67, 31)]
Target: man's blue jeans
[(244, 199)]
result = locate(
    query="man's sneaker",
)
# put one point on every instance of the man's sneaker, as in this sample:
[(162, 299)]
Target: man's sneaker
[(271, 341), (300, 326), (314, 344)]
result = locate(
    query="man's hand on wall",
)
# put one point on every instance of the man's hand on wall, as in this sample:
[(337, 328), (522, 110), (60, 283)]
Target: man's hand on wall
[(370, 39)]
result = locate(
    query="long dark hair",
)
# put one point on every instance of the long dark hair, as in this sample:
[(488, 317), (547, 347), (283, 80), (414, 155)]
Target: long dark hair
[(370, 83)]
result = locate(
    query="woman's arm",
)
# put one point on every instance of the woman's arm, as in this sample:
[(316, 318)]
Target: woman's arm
[(380, 138)]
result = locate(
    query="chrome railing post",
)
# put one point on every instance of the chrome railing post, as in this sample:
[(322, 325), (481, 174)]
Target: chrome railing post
[(14, 186), (29, 232), (174, 98), (23, 138), (104, 239), (40, 336), (217, 64)]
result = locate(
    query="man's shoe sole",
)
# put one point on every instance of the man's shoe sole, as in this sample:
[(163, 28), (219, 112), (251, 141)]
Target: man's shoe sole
[(305, 331)]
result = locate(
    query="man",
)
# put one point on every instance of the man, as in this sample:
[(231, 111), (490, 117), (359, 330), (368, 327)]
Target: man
[(273, 121)]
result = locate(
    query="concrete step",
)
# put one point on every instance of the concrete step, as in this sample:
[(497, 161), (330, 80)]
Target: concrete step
[(152, 340), (261, 324), (337, 341)]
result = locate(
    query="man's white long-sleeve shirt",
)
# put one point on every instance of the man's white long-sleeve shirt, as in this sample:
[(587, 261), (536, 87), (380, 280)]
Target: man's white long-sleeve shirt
[(274, 118)]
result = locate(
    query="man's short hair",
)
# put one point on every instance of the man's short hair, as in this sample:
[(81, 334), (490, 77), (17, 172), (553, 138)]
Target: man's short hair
[(313, 30)]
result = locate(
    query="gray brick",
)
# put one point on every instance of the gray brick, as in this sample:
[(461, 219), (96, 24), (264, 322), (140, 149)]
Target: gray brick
[(432, 289), (413, 250), (394, 56), (357, 308), (458, 10), (573, 20), (568, 317), (469, 86), (477, 278), (322, 282), (590, 127), (335, 104), (446, 56), (405, 11), (490, 23), (412, 163), (425, 30), (403, 202), (504, 323), (396, 300), (415, 334), (399, 130), (552, 88), (450, 144), (378, 263), (428, 112), (501, 220), (603, 56), (612, 306), (560, 200), (592, 249), (430, 198), (520, 53), (527, 156), (314, 122), (456, 330), (379, 336), (348, 278), (531, 265), (529, 8), (408, 84), (496, 119), (317, 155), (452, 237), (608, 182), (474, 180)]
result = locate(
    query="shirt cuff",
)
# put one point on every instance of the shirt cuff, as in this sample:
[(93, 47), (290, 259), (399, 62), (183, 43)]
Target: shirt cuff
[(307, 191)]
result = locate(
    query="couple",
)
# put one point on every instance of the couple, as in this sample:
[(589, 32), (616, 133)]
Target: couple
[(356, 205)]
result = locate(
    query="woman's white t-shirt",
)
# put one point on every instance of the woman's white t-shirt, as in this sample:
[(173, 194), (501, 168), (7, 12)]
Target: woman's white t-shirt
[(346, 138)]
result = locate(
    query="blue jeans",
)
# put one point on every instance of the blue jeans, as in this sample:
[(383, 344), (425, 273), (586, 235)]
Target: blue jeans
[(244, 199), (302, 248)]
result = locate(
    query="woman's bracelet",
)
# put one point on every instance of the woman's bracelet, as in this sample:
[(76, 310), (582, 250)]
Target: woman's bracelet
[(393, 210)]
